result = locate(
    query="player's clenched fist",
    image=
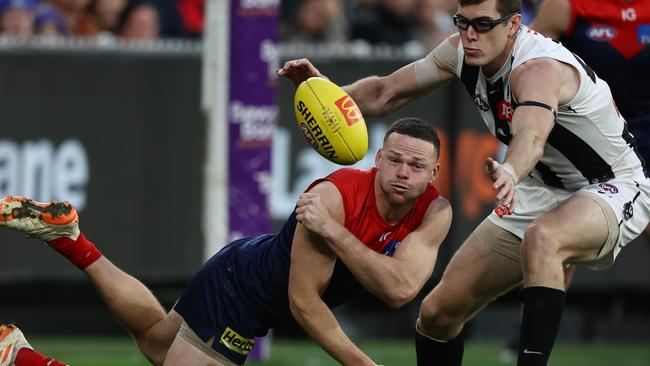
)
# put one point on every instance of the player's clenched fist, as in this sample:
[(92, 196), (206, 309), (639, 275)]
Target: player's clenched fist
[(312, 213), (299, 70)]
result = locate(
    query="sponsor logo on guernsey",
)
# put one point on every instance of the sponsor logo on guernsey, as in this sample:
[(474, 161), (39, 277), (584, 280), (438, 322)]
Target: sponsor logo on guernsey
[(606, 188), (601, 33), (643, 32), (391, 247), (349, 108), (480, 103), (236, 342), (505, 110)]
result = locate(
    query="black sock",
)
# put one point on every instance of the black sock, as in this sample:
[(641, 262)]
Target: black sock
[(431, 352), (539, 324)]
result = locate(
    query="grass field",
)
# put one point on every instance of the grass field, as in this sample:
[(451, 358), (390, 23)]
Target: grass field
[(122, 352)]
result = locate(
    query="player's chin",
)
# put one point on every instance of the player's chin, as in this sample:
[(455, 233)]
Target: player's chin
[(474, 60), (401, 197)]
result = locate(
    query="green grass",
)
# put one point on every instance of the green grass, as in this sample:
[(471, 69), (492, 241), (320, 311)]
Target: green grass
[(123, 352)]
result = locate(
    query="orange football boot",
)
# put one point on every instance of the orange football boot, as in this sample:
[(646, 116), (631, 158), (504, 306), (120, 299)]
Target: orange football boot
[(46, 221)]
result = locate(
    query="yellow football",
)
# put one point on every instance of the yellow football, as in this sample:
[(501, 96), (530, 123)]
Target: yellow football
[(331, 121)]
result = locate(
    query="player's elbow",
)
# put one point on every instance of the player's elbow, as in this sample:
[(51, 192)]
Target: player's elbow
[(299, 306), (399, 298), (377, 98)]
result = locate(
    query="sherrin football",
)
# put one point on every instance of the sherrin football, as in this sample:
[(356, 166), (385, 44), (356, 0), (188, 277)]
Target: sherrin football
[(331, 121)]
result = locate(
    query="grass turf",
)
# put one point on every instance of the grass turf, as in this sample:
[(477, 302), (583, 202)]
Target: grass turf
[(123, 352)]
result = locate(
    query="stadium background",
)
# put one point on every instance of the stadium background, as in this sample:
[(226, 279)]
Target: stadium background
[(127, 133)]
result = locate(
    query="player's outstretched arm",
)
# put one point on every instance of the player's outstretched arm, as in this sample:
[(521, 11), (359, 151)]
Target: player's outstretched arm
[(310, 272), (380, 96), (395, 280), (538, 86)]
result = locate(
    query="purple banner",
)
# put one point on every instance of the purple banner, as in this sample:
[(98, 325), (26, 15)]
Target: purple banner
[(252, 113)]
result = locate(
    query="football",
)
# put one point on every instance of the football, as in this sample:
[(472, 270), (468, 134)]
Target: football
[(331, 121)]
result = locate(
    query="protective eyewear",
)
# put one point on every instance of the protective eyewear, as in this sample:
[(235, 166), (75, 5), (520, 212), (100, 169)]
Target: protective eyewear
[(480, 25)]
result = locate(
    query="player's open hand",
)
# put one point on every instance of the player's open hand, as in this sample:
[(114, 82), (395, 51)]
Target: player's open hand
[(299, 70), (505, 180), (312, 213)]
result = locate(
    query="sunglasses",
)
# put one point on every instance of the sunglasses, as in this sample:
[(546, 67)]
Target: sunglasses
[(480, 25)]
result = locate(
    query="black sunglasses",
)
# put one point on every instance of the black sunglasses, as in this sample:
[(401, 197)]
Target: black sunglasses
[(480, 25)]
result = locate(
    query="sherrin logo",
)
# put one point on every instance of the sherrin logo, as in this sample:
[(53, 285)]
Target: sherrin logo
[(349, 108), (604, 33), (236, 342)]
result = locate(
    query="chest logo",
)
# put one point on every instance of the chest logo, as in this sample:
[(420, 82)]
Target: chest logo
[(391, 247), (384, 236), (601, 33), (643, 32), (628, 15), (480, 103), (505, 110)]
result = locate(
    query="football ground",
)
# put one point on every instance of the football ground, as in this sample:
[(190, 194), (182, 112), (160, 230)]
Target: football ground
[(123, 352)]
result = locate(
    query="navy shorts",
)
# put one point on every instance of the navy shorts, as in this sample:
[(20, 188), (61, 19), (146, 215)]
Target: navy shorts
[(216, 311)]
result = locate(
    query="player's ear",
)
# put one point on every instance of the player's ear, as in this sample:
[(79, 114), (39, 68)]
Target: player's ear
[(436, 173), (514, 24), (378, 155)]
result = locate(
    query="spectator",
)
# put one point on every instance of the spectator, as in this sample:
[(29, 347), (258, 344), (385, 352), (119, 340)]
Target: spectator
[(17, 17), (318, 20), (73, 12), (140, 21), (102, 16), (435, 21), (391, 22), (49, 22)]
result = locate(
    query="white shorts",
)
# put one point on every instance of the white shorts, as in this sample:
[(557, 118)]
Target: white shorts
[(628, 199)]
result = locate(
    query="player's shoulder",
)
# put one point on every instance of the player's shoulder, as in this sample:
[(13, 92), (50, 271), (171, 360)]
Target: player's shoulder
[(351, 176), (454, 39), (439, 205), (438, 213)]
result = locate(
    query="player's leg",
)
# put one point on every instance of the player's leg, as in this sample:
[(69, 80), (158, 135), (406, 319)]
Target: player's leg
[(126, 297), (137, 309), (583, 229), (476, 275), (188, 349), (16, 351)]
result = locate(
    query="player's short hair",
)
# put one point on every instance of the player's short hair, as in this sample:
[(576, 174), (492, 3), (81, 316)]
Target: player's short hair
[(417, 128), (504, 7)]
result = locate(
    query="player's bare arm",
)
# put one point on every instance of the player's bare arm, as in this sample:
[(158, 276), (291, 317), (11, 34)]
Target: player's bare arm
[(381, 96), (310, 272), (395, 280), (537, 86), (553, 18)]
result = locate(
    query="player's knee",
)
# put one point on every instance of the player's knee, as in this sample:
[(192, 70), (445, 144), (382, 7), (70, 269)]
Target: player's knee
[(538, 244), (439, 320)]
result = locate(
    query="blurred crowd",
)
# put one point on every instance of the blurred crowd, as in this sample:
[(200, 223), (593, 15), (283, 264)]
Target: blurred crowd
[(393, 22), (129, 19)]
